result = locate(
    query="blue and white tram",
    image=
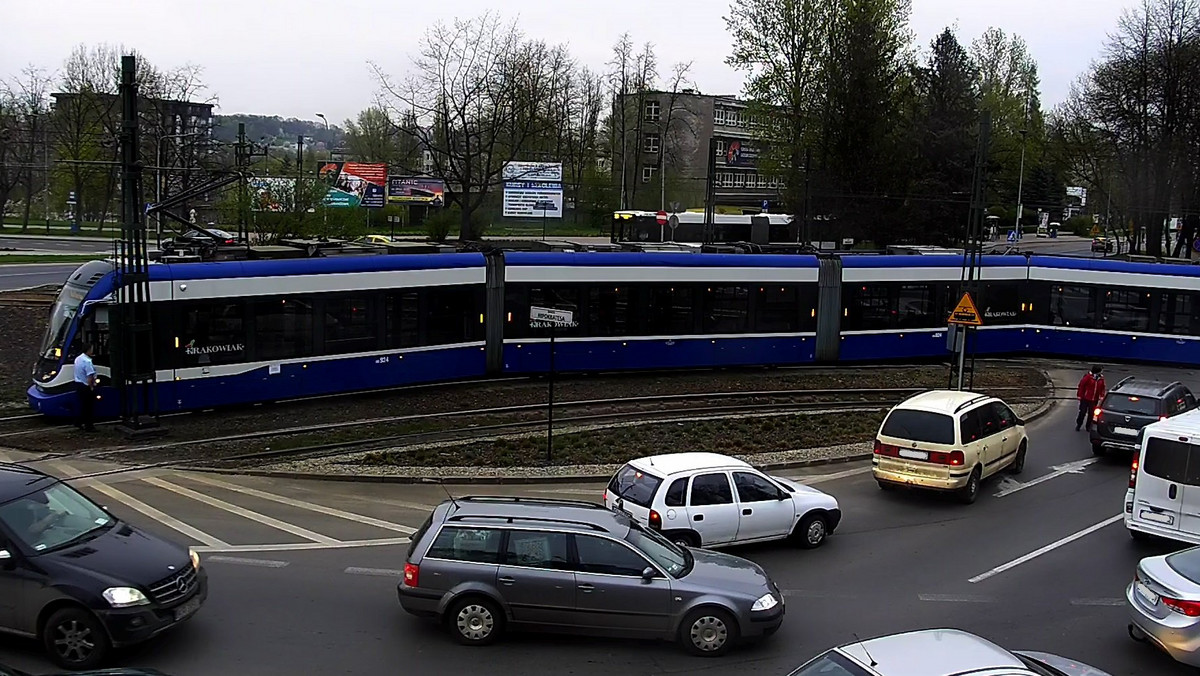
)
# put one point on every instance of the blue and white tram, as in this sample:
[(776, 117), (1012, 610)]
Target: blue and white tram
[(240, 332), (661, 310)]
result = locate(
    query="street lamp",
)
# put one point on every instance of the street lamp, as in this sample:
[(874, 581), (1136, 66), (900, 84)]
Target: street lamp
[(158, 176), (322, 116)]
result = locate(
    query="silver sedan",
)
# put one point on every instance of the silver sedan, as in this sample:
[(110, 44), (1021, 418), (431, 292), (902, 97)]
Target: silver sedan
[(1164, 604)]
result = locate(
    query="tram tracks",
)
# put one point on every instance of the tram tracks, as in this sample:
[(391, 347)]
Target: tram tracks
[(364, 434)]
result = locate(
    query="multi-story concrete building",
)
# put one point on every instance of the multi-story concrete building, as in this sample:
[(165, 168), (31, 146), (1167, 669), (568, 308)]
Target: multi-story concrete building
[(668, 138)]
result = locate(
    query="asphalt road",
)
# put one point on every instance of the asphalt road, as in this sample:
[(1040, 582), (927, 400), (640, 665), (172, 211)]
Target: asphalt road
[(23, 276), (60, 245), (296, 585)]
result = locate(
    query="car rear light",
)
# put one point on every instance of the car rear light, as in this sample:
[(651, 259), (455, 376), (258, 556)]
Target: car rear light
[(1133, 472), (229, 241), (412, 575), (1162, 417), (957, 458), (604, 498), (886, 449), (1189, 608), (655, 520)]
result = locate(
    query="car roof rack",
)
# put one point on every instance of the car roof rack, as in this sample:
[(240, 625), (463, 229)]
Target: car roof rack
[(26, 469), (971, 401), (461, 518), (510, 499), (1123, 381)]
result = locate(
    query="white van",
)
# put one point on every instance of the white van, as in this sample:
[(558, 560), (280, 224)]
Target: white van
[(1164, 482)]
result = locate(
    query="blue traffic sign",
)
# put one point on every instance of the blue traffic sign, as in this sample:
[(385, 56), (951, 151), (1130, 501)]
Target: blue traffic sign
[(1012, 235)]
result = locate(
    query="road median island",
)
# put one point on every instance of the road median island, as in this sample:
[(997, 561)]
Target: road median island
[(773, 440)]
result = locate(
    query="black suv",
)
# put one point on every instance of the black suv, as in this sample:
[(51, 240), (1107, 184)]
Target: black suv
[(81, 580), (1118, 421)]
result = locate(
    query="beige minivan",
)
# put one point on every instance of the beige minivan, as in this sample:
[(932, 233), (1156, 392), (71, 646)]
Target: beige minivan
[(948, 440)]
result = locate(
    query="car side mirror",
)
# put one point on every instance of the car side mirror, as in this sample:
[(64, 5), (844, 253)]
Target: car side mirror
[(649, 573), (783, 495), (6, 558)]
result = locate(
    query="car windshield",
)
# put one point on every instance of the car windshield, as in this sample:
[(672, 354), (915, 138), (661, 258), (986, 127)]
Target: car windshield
[(676, 561), (933, 428), (831, 663), (54, 517), (1124, 403), (1186, 563), (634, 485)]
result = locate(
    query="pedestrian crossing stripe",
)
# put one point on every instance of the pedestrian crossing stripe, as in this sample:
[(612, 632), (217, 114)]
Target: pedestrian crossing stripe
[(965, 312)]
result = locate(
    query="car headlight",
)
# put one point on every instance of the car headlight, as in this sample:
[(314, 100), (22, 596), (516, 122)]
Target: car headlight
[(765, 602), (195, 559), (124, 597)]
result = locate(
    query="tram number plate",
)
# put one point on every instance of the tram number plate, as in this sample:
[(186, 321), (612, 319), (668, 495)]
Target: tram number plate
[(1148, 596), (914, 455)]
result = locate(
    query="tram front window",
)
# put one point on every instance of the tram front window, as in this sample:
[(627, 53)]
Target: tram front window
[(62, 318)]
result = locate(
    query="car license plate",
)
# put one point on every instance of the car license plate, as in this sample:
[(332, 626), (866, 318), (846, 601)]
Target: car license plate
[(187, 609), (1148, 515), (1148, 596), (914, 455), (1125, 430)]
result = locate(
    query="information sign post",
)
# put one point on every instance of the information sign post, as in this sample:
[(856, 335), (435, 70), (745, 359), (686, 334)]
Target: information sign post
[(552, 318)]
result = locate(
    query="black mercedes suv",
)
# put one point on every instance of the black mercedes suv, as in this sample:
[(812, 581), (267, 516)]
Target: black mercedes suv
[(1134, 403), (79, 579)]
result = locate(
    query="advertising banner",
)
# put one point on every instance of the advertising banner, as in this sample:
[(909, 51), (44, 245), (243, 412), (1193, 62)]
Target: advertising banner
[(416, 190), (521, 199), (354, 184), (740, 154), (546, 172)]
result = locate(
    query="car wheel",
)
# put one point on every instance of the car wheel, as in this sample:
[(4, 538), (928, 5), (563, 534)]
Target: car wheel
[(475, 621), (810, 533), (969, 493), (709, 632), (75, 640), (1097, 449), (685, 539), (1018, 463)]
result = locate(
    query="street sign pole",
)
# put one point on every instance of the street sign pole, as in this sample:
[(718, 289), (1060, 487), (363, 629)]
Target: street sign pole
[(550, 405), (553, 318)]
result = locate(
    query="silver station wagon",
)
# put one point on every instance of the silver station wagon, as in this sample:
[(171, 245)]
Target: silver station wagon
[(482, 564)]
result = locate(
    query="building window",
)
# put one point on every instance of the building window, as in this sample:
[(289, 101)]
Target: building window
[(651, 144), (720, 148), (648, 173), (720, 115), (653, 111)]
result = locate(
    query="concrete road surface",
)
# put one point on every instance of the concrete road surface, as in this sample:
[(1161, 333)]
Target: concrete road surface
[(303, 573), (61, 245)]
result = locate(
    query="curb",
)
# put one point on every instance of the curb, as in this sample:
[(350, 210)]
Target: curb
[(1039, 412)]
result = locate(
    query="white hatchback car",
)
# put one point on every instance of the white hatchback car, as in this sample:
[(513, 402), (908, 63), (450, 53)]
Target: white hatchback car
[(950, 441), (708, 499)]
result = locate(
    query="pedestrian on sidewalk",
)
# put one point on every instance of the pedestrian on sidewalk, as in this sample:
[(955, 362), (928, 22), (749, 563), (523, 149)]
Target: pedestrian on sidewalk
[(1090, 391), (85, 389)]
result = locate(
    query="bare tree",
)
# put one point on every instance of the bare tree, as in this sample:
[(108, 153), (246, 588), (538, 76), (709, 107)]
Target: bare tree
[(475, 94), (620, 80), (28, 105), (676, 128)]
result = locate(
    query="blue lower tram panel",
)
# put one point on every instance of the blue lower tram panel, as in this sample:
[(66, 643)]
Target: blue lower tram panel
[(615, 355)]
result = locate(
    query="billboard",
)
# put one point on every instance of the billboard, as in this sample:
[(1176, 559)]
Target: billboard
[(740, 154), (526, 184), (416, 190), (354, 184)]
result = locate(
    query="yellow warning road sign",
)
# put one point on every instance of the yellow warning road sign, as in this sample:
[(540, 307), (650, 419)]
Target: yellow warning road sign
[(965, 313)]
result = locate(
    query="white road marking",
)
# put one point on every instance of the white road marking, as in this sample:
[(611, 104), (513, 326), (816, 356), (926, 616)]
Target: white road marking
[(159, 516), (1097, 602), (1048, 548), (242, 512), (4, 457), (303, 546), (813, 594), (320, 509), (380, 572), (956, 598), (820, 478), (1076, 467), (264, 563)]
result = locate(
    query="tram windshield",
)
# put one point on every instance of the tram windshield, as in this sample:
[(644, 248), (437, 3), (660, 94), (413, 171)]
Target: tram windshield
[(62, 315)]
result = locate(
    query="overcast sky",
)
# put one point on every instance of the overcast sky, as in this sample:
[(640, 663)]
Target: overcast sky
[(295, 58)]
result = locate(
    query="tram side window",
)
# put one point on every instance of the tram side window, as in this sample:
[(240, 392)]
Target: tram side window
[(869, 308), (777, 309), (1180, 314), (212, 332), (669, 310), (1126, 310), (350, 325), (726, 309), (1072, 306), (560, 297), (403, 319), (451, 314), (608, 311), (283, 328), (916, 307), (1001, 303)]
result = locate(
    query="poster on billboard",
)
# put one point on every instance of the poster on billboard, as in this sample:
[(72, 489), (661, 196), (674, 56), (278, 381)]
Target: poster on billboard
[(521, 199), (544, 172), (416, 190), (354, 184), (740, 154)]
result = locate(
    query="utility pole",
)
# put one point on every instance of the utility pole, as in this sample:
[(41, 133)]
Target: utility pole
[(710, 193), (46, 158), (972, 252), (1021, 175)]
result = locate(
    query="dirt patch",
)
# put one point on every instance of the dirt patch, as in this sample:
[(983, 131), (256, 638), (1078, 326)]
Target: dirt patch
[(738, 436), (21, 331)]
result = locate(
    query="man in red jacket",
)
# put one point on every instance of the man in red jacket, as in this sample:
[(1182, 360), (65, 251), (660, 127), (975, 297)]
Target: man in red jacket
[(1090, 391)]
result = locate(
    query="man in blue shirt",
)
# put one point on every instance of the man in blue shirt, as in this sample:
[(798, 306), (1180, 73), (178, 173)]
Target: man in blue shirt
[(85, 388)]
